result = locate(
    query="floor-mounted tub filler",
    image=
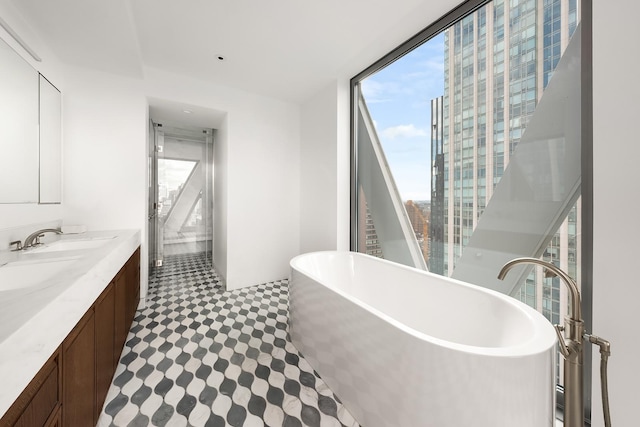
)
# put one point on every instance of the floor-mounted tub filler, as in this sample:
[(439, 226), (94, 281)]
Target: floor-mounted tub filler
[(403, 347)]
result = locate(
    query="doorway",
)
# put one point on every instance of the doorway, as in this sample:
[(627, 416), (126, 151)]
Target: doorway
[(180, 196)]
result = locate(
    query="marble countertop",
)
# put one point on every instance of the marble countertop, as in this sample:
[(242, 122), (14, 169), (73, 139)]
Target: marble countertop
[(34, 320)]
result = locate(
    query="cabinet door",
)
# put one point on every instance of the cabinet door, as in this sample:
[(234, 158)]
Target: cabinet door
[(40, 400), (56, 419), (133, 286), (121, 325), (78, 372), (105, 344)]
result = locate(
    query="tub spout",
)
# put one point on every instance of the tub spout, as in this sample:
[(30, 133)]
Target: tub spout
[(570, 337), (576, 311)]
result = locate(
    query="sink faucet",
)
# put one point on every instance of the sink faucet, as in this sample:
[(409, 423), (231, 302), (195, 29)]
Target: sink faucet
[(570, 342), (34, 238)]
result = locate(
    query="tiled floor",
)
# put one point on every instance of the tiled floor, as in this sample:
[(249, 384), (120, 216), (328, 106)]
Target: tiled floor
[(198, 356)]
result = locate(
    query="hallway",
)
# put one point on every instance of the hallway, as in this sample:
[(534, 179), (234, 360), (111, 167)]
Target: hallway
[(199, 356)]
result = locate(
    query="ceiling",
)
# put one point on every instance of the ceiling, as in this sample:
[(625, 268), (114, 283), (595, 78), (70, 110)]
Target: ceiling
[(286, 49)]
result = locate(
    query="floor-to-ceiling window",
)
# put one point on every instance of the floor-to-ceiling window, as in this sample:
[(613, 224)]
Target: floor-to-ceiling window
[(467, 148)]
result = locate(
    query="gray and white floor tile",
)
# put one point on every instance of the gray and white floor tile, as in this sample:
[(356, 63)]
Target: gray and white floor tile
[(200, 356)]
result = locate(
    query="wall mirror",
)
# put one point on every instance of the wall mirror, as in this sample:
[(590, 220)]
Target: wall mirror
[(30, 133), (50, 143), (18, 128)]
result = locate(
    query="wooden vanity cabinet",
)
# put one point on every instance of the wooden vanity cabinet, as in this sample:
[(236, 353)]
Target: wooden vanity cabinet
[(72, 386), (39, 403)]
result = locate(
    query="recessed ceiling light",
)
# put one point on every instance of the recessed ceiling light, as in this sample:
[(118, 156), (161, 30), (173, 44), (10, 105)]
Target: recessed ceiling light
[(187, 111), (220, 58)]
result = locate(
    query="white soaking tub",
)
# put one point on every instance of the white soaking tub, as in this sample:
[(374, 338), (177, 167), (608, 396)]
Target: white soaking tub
[(403, 347)]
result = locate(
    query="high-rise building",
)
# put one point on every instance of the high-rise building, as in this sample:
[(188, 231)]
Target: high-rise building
[(497, 62), (420, 226), (367, 236), (436, 232)]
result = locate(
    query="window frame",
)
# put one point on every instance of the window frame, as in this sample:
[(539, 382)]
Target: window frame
[(458, 13)]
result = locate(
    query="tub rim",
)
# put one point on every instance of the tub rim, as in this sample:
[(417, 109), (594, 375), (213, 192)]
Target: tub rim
[(543, 338)]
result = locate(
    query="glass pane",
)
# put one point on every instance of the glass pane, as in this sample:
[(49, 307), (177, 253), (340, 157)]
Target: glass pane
[(477, 130), (174, 206), (181, 204), (172, 174)]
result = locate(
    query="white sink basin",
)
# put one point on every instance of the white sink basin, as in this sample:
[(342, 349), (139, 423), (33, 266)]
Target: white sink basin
[(24, 274), (72, 245)]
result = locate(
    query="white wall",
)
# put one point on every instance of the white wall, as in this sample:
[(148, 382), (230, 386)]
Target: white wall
[(105, 151), (220, 199), (256, 166), (344, 165), (263, 194), (616, 235), (325, 169), (258, 158), (105, 185), (318, 172)]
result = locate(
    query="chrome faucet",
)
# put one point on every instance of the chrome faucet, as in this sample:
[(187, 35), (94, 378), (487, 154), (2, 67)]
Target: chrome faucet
[(34, 238), (570, 343), (571, 346)]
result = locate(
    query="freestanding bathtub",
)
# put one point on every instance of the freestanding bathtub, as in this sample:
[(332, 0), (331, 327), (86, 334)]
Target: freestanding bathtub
[(405, 348)]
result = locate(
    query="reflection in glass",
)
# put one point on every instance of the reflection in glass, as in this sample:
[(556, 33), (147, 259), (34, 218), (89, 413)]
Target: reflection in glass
[(173, 175)]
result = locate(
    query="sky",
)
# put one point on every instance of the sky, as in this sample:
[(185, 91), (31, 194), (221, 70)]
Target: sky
[(399, 101)]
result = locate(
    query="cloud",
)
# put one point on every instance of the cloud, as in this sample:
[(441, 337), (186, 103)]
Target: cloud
[(375, 91), (403, 131), (417, 76)]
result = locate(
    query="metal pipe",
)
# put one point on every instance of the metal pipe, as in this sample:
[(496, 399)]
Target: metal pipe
[(605, 390), (573, 389), (605, 352)]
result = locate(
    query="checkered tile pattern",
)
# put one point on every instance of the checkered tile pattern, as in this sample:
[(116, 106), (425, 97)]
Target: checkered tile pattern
[(199, 356)]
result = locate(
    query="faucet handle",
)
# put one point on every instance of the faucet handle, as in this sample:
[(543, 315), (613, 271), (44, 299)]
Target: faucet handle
[(18, 244), (562, 344), (567, 350)]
